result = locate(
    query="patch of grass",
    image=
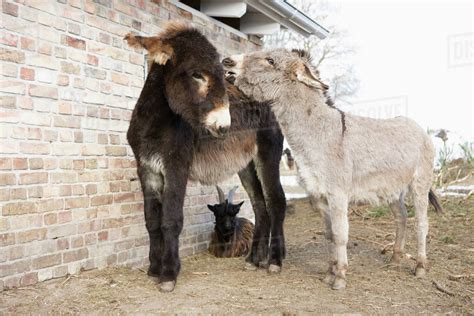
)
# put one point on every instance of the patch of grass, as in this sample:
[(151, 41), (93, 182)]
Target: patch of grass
[(379, 211), (411, 213), (447, 239)]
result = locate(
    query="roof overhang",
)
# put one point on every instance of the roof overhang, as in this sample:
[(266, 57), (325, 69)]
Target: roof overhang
[(288, 16), (261, 17)]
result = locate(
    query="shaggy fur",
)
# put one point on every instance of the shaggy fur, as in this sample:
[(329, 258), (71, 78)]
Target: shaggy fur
[(342, 159), (176, 135)]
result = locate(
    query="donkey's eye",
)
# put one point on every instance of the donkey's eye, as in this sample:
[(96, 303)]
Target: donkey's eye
[(197, 76), (270, 60)]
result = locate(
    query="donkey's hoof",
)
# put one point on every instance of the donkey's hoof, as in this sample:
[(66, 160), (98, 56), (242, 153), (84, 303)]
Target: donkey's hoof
[(168, 286), (339, 284), (420, 272), (263, 264), (250, 267), (274, 269), (396, 258), (329, 279), (153, 273)]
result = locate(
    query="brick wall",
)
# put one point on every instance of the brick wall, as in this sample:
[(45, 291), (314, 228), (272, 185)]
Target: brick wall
[(69, 199)]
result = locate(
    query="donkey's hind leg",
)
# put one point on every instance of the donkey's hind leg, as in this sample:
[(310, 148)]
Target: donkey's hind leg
[(320, 204), (259, 249), (400, 213), (269, 174), (420, 200)]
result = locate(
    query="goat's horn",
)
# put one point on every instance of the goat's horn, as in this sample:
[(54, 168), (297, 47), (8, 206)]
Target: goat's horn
[(230, 196), (221, 194)]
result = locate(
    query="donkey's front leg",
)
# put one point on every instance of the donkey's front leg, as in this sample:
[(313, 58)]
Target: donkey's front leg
[(152, 187), (172, 224), (338, 205)]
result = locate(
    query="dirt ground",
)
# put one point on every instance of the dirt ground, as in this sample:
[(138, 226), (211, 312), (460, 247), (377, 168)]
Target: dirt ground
[(209, 285)]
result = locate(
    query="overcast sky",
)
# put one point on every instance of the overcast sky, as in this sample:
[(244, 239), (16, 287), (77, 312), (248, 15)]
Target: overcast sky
[(414, 58)]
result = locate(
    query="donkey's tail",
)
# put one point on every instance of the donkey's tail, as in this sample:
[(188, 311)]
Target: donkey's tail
[(435, 202)]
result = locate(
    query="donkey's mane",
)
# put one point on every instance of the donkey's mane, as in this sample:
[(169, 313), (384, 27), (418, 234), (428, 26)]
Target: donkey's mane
[(304, 54), (173, 29)]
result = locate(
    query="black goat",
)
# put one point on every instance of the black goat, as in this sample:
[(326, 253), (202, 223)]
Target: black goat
[(232, 236)]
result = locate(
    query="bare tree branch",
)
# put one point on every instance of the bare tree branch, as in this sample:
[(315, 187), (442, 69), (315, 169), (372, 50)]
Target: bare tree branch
[(332, 55)]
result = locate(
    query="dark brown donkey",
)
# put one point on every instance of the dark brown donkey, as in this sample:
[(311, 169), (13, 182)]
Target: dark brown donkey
[(176, 135)]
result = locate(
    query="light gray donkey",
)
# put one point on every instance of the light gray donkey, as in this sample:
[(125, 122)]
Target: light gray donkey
[(342, 158)]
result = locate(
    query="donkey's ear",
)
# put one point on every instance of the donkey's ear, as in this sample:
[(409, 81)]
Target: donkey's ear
[(303, 73), (159, 51)]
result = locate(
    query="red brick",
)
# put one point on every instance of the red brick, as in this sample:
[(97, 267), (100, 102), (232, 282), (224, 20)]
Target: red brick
[(29, 279), (103, 235), (63, 177), (77, 202), (43, 91), (35, 192), (18, 194), (34, 178), (65, 190), (47, 205), (4, 196), (50, 218), (63, 243), (63, 80), (27, 74), (119, 78), (7, 239), (28, 43), (8, 102), (45, 48), (16, 253), (91, 189), (12, 282), (124, 197), (115, 150), (35, 148), (70, 68), (35, 163), (101, 200), (30, 235), (67, 121), (12, 55), (9, 39), (64, 217), (34, 133), (78, 164), (75, 255), (12, 86), (7, 178), (20, 163), (25, 103), (9, 8), (18, 208), (5, 163), (73, 42), (77, 190), (46, 261), (77, 241), (92, 60)]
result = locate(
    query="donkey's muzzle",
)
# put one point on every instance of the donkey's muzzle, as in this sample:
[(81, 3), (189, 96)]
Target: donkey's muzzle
[(218, 121)]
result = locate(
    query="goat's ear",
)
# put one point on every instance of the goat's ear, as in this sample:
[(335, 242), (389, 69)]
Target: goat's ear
[(159, 51), (211, 207), (303, 73), (239, 205)]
